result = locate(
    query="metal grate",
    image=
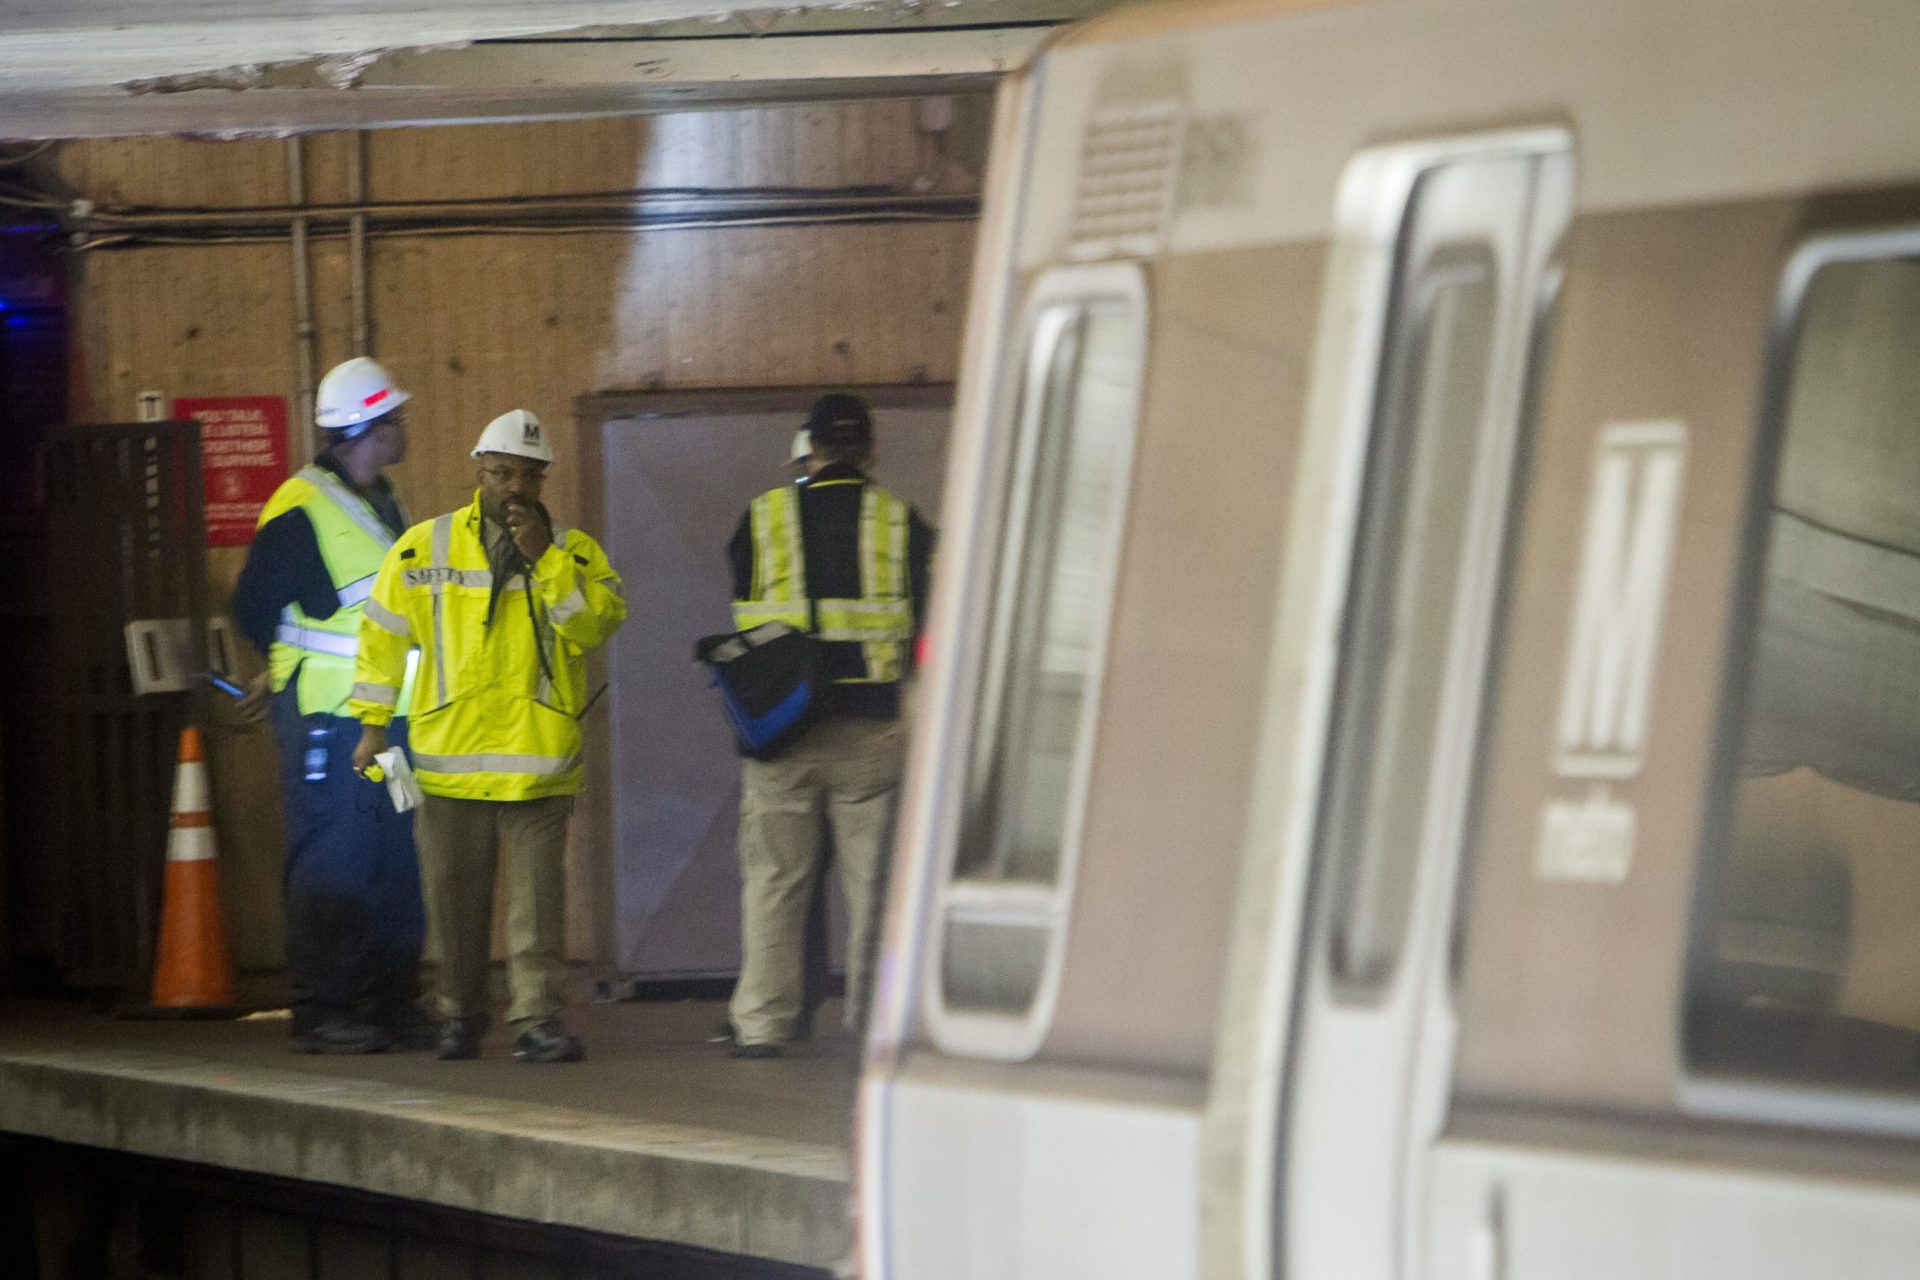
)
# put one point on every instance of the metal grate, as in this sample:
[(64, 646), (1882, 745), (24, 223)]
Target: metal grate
[(1128, 164), (125, 510)]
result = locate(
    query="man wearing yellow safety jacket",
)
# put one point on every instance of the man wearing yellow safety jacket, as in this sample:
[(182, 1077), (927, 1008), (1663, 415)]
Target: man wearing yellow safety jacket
[(353, 917), (503, 606), (847, 560)]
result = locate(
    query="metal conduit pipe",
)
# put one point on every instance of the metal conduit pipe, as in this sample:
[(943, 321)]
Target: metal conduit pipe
[(941, 211), (906, 206), (145, 240), (305, 337), (712, 200), (361, 282), (362, 279)]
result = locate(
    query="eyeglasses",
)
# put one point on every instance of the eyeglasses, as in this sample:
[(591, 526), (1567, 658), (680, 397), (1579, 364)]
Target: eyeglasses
[(507, 475)]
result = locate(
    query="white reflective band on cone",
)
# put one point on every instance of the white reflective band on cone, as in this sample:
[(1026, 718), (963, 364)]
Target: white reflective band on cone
[(190, 829), (190, 793), (190, 844)]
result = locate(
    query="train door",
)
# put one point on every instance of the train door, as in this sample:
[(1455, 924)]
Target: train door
[(1690, 1035), (1478, 224)]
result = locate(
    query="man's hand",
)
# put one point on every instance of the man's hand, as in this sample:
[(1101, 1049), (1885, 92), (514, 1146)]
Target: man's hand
[(529, 531), (373, 740), (253, 707)]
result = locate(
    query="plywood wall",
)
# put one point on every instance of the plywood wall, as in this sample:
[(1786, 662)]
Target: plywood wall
[(475, 325)]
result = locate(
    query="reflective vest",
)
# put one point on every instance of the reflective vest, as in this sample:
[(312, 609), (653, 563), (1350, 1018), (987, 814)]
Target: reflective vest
[(352, 540), (497, 707), (880, 621)]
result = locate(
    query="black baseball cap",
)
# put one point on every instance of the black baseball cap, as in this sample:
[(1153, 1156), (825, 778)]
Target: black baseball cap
[(838, 418)]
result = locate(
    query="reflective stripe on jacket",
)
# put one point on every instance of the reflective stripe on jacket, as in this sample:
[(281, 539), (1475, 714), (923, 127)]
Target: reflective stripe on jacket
[(491, 720), (880, 621), (353, 540)]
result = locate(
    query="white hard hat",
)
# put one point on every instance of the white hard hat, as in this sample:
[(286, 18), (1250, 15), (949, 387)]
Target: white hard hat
[(517, 431), (354, 394), (802, 446)]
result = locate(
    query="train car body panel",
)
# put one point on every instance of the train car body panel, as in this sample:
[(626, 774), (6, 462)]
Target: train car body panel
[(1583, 1214), (1028, 1159), (1108, 948), (1726, 948), (1681, 297), (1310, 87)]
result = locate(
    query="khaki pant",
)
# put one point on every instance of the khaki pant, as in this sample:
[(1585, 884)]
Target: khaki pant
[(460, 842), (849, 770)]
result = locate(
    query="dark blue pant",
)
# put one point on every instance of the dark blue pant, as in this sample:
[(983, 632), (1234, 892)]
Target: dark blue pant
[(354, 921)]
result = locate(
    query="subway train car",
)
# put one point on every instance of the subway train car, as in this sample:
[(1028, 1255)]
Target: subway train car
[(1420, 771)]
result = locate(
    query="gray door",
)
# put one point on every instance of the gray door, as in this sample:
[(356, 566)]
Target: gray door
[(675, 486)]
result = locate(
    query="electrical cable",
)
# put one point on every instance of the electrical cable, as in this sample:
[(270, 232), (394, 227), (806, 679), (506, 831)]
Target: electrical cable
[(101, 227), (176, 238), (31, 153), (533, 618), (29, 202), (620, 199)]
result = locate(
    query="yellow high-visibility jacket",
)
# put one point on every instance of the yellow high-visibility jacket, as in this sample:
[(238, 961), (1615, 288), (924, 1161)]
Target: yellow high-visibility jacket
[(352, 541), (490, 720), (880, 621)]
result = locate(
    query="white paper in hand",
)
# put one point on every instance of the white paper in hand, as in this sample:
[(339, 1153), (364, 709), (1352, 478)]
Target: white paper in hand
[(401, 784)]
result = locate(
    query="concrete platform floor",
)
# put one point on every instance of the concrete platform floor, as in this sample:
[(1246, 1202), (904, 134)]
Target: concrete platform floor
[(658, 1135)]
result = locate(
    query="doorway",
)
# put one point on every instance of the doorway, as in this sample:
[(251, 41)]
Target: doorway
[(676, 471)]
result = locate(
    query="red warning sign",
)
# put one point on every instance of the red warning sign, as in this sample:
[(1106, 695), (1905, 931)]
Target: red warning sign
[(243, 459)]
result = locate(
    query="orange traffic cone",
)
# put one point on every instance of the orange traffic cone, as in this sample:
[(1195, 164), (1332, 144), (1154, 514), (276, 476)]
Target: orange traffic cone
[(194, 968)]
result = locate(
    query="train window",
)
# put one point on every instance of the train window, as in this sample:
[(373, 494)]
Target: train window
[(1057, 564), (1427, 550), (1067, 481), (1405, 572), (1806, 950)]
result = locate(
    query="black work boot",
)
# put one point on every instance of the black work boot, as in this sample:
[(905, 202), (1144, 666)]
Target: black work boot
[(548, 1042), (460, 1038), (341, 1035), (413, 1031)]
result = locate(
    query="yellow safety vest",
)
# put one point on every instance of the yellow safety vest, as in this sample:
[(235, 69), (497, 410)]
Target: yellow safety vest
[(352, 540), (490, 720), (880, 621)]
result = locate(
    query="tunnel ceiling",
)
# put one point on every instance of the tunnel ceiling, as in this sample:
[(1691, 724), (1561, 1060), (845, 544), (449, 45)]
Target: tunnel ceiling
[(76, 67)]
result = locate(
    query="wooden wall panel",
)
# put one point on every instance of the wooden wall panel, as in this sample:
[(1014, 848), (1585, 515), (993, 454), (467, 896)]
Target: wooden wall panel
[(161, 320), (474, 325)]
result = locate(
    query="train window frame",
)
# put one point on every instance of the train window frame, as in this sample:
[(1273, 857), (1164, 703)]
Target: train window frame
[(1364, 689), (1542, 322), (1054, 301), (1708, 1089), (1505, 414)]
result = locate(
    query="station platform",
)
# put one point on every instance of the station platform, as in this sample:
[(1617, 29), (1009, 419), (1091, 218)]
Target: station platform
[(658, 1136)]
